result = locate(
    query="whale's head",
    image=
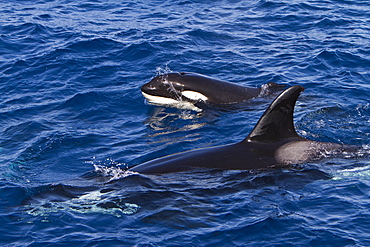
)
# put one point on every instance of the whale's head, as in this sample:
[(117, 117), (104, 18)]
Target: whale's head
[(172, 88)]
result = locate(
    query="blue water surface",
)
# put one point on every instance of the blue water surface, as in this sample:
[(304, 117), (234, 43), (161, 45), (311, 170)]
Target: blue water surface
[(72, 119)]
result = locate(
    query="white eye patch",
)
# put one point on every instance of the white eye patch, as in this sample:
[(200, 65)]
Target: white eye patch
[(194, 95)]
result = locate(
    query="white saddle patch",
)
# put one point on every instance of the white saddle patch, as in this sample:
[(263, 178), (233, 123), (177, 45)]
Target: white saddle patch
[(194, 95)]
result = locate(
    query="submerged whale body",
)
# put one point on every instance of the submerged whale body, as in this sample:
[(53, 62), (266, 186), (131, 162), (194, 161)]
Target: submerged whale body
[(272, 143), (173, 88)]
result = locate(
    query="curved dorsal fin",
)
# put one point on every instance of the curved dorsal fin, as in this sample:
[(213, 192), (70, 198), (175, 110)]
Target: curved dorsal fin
[(277, 121)]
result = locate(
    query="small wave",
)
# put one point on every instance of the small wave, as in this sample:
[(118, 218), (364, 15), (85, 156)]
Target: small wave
[(23, 132), (322, 123), (26, 30), (138, 51), (93, 45), (332, 22), (345, 59), (203, 37)]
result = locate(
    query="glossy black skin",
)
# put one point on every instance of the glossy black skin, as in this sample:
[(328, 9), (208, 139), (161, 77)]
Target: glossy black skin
[(273, 142), (239, 156), (217, 91)]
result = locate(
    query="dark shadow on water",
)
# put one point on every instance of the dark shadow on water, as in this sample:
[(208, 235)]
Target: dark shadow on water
[(96, 193)]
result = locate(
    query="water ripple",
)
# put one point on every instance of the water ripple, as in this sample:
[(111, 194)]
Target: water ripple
[(72, 116)]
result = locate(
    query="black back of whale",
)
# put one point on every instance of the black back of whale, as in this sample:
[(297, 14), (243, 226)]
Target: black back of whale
[(171, 85), (272, 142)]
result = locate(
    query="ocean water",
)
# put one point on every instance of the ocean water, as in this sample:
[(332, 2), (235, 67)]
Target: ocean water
[(72, 119)]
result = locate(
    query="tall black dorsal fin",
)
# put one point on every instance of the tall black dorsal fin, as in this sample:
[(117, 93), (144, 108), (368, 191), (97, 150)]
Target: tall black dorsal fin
[(277, 121)]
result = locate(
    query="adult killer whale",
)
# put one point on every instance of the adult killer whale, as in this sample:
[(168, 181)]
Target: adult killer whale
[(174, 88), (272, 143)]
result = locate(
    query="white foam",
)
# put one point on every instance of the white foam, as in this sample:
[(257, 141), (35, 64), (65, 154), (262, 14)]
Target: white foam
[(114, 172), (86, 204), (357, 172)]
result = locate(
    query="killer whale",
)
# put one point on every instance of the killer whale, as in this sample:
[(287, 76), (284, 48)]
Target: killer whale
[(173, 88), (273, 142)]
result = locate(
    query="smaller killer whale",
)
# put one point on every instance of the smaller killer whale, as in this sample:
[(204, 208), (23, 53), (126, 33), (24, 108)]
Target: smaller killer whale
[(174, 88), (273, 142)]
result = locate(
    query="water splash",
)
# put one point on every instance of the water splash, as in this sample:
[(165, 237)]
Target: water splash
[(114, 173), (163, 71), (102, 201)]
